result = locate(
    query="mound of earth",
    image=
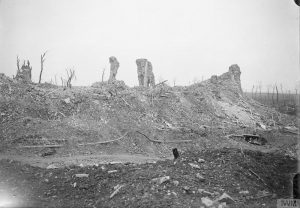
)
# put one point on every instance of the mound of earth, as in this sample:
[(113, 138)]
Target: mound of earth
[(98, 126), (111, 117)]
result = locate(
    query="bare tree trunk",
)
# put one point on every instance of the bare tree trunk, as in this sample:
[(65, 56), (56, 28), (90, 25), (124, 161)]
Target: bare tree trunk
[(70, 77), (276, 93), (42, 65), (55, 80), (268, 95), (283, 97), (103, 73), (256, 89), (18, 63), (260, 97), (273, 96)]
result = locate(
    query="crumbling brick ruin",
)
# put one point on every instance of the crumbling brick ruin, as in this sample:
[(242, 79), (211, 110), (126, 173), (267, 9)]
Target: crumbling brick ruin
[(24, 74), (114, 66), (145, 73), (235, 72), (232, 78)]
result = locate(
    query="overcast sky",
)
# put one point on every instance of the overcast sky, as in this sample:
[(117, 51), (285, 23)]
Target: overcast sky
[(185, 40)]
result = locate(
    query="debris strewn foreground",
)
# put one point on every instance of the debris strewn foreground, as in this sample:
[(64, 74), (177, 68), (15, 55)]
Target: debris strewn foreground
[(248, 178), (232, 151)]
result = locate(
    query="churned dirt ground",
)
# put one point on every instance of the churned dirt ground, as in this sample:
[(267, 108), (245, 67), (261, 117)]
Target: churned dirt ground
[(109, 145), (251, 178)]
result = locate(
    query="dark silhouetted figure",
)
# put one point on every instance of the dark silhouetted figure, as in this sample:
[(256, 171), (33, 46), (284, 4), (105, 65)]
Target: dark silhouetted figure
[(175, 153), (296, 191)]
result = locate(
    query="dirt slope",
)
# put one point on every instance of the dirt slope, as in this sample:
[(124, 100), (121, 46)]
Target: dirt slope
[(45, 114)]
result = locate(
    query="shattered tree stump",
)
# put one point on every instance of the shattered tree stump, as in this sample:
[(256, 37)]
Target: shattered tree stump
[(114, 66)]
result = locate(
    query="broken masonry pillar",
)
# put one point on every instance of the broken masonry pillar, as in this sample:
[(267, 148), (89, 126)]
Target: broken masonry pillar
[(24, 74), (145, 73), (150, 79), (235, 73), (141, 70), (114, 66)]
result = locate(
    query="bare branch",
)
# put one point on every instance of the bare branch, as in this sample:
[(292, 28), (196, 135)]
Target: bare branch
[(103, 73), (42, 65)]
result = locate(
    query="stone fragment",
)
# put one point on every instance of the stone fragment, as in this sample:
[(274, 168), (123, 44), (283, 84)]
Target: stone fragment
[(176, 183), (225, 198), (161, 180), (207, 201), (82, 175), (201, 160), (52, 166), (193, 165), (200, 177), (112, 171)]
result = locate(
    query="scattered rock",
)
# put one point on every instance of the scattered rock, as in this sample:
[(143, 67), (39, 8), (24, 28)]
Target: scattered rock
[(161, 180), (291, 129), (48, 152), (244, 192), (67, 100), (207, 201), (216, 193), (82, 175), (187, 188), (193, 165), (225, 198), (222, 205), (176, 183), (202, 191), (112, 171), (200, 177), (261, 126), (201, 160), (52, 166)]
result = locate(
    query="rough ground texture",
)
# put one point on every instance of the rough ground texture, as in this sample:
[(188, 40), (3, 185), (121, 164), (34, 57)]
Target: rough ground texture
[(42, 125)]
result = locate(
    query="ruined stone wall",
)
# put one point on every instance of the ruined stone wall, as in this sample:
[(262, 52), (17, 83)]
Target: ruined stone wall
[(114, 66), (229, 79), (145, 73)]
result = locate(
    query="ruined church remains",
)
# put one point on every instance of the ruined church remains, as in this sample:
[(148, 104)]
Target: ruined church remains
[(114, 66), (145, 73), (24, 73)]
